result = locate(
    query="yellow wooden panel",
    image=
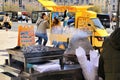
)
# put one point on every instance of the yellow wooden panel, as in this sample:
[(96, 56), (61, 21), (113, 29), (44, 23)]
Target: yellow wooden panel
[(58, 37)]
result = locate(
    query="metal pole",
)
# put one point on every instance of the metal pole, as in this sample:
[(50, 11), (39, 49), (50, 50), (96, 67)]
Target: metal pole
[(107, 2), (118, 6)]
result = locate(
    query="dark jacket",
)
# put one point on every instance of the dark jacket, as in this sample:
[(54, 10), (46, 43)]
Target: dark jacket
[(111, 56)]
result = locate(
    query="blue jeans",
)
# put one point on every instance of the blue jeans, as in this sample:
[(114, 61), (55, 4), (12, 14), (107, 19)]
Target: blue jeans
[(40, 37)]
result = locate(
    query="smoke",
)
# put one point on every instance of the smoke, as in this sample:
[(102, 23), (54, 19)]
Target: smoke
[(80, 38), (80, 34)]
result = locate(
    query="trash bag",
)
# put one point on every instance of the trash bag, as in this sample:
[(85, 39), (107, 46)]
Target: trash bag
[(89, 67)]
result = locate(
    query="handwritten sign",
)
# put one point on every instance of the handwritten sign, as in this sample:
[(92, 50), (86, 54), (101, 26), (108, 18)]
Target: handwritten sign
[(26, 36)]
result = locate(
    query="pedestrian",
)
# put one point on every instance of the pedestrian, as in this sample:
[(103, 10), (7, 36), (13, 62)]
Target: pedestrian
[(41, 32), (6, 22), (56, 26), (111, 56), (66, 18), (26, 18), (56, 29), (20, 18)]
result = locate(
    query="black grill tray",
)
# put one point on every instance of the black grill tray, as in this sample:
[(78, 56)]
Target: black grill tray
[(51, 51)]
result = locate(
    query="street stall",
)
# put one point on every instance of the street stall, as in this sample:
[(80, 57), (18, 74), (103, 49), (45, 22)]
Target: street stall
[(28, 61), (37, 54), (18, 67), (73, 18)]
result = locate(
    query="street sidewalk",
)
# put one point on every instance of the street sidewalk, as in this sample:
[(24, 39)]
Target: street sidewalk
[(8, 39)]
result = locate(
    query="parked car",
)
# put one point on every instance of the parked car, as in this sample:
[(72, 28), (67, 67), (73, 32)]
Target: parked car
[(1, 21)]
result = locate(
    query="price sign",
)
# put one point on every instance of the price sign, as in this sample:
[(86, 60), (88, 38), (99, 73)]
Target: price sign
[(26, 36)]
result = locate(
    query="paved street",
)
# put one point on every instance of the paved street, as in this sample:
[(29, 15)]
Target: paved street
[(9, 39)]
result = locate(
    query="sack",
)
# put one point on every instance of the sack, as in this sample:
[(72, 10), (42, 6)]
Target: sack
[(89, 68)]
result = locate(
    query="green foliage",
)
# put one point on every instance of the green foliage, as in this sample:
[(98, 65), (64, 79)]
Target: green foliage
[(96, 9)]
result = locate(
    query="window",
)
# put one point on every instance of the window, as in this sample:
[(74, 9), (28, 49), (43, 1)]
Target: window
[(77, 1), (6, 0), (71, 1), (113, 7), (13, 1), (113, 1), (55, 0), (20, 3), (97, 23), (60, 0), (1, 18), (87, 2), (82, 1), (65, 1)]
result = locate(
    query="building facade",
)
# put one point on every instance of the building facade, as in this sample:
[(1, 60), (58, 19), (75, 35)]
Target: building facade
[(19, 3), (113, 5), (101, 3), (1, 5), (71, 2), (107, 6), (23, 3)]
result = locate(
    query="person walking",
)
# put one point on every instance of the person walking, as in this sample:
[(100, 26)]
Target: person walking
[(41, 32), (6, 22), (26, 18)]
